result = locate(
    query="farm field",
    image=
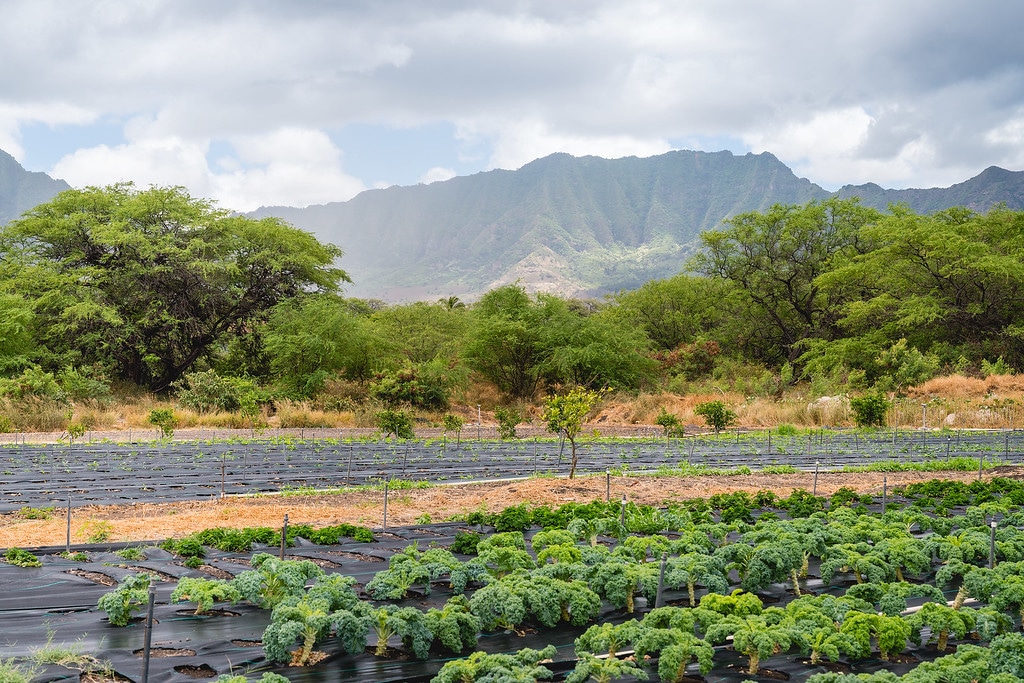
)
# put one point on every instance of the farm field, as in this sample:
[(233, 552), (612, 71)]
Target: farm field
[(56, 602)]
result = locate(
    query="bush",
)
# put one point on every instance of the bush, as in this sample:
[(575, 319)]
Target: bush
[(207, 391), (508, 419), (414, 386), (670, 423), (870, 410), (163, 419), (716, 414), (396, 422)]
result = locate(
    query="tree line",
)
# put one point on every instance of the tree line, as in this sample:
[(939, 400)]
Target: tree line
[(122, 287)]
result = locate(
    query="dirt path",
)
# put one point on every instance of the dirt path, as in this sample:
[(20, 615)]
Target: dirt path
[(438, 503)]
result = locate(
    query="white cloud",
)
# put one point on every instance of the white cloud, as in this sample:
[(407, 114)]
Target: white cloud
[(516, 143), (908, 93), (829, 149), (292, 167), (437, 174), (13, 115)]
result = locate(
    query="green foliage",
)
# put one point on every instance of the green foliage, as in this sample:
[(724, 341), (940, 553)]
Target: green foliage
[(164, 420), (146, 282), (271, 580), (508, 419), (130, 596), (465, 543), (454, 626), (716, 414), (513, 518), (565, 413), (21, 558), (410, 386), (408, 623), (452, 423), (870, 410), (670, 423), (902, 366), (523, 667), (204, 592), (395, 422), (1000, 367), (207, 391)]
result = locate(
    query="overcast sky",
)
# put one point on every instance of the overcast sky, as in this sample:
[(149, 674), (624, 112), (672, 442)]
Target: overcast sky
[(307, 101)]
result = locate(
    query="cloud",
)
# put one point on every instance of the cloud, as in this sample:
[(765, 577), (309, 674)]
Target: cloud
[(13, 115), (292, 167), (911, 93), (516, 143), (437, 174)]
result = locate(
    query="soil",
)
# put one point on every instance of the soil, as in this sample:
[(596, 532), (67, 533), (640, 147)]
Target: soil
[(155, 522)]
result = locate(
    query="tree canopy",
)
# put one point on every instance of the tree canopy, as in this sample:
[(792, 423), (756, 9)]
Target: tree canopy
[(146, 282)]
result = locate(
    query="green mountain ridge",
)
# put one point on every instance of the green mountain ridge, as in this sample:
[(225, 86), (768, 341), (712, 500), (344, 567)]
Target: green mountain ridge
[(563, 224), (576, 226)]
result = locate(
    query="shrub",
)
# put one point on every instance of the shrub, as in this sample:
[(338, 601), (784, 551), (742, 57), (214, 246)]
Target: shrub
[(164, 420), (395, 422), (670, 423), (508, 419), (716, 414), (207, 391), (870, 410)]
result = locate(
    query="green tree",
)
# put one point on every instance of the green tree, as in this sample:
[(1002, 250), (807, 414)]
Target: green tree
[(147, 282), (565, 414), (775, 259), (314, 337), (951, 278), (716, 414)]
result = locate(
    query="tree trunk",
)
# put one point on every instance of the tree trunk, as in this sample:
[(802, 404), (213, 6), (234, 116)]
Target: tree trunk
[(572, 468)]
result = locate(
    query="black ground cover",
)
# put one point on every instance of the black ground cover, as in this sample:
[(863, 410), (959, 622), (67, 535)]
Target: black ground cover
[(151, 472), (56, 603)]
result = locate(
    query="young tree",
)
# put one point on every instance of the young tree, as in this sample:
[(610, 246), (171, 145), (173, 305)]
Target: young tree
[(716, 414), (564, 414)]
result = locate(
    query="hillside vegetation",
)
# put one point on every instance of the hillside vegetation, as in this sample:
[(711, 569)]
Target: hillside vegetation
[(117, 302), (582, 226)]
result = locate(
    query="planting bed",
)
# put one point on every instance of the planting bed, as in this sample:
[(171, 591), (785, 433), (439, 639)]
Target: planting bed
[(115, 473), (931, 535)]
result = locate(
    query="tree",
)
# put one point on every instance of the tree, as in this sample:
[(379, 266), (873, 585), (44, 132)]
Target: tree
[(716, 414), (952, 278), (147, 282), (775, 258), (315, 336), (565, 414)]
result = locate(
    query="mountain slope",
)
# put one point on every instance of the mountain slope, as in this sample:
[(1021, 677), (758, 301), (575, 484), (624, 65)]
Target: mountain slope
[(562, 224), (20, 190)]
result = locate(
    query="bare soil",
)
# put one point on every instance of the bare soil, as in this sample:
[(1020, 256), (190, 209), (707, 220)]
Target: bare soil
[(155, 522)]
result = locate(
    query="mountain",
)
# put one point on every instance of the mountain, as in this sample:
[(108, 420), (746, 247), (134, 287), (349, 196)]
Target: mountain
[(20, 190), (577, 226), (559, 224)]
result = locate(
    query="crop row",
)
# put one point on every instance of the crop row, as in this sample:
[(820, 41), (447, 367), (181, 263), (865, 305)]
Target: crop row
[(91, 474), (680, 583)]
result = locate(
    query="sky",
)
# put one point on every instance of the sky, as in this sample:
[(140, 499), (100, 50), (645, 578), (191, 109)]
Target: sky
[(260, 102)]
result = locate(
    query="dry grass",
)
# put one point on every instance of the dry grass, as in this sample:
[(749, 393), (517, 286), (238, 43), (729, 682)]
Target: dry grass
[(157, 522)]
